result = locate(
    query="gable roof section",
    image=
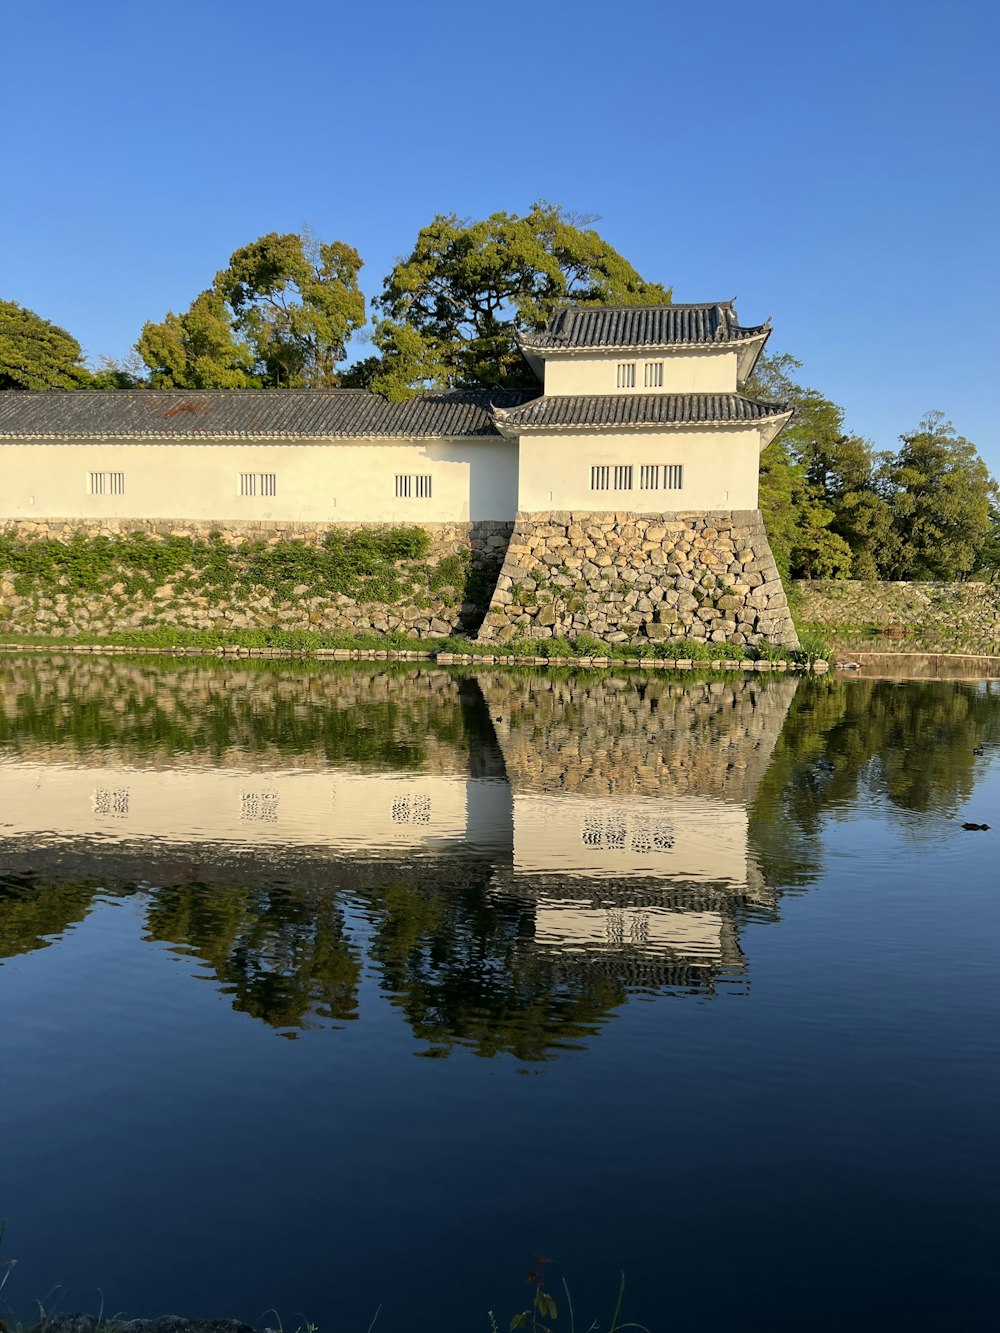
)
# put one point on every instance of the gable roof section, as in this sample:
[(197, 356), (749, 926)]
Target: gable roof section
[(606, 328), (248, 414), (614, 411)]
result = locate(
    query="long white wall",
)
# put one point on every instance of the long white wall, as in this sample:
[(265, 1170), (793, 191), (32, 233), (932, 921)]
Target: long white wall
[(720, 470), (471, 480), (710, 371)]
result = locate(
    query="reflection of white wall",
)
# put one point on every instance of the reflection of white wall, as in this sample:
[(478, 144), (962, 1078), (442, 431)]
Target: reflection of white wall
[(360, 812), (689, 837), (567, 925)]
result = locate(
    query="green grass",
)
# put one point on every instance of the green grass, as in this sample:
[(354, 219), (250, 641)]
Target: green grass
[(305, 641)]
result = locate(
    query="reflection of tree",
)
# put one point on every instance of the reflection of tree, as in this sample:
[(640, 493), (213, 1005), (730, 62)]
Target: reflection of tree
[(908, 747), (283, 958), (33, 916), (388, 718), (462, 966)]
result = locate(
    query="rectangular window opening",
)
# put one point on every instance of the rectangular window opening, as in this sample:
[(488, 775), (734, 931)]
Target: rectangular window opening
[(415, 486), (258, 483), (649, 477), (106, 483), (623, 477), (652, 375), (673, 477), (625, 377), (600, 478)]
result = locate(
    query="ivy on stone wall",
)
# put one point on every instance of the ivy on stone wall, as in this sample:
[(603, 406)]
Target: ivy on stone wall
[(377, 564)]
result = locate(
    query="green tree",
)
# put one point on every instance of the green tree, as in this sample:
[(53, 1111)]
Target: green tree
[(36, 354), (279, 316), (197, 350), (830, 513), (452, 309), (943, 500)]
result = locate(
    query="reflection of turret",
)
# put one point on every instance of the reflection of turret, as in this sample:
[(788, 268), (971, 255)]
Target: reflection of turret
[(631, 825)]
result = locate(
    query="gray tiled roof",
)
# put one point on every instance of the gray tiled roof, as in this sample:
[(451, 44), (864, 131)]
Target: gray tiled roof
[(644, 409), (247, 414), (642, 326)]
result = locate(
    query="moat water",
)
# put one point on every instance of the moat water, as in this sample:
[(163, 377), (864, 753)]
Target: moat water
[(346, 991)]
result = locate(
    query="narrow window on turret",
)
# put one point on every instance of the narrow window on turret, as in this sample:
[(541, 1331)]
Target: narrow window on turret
[(623, 477), (673, 477), (652, 375), (600, 478), (649, 477), (625, 378)]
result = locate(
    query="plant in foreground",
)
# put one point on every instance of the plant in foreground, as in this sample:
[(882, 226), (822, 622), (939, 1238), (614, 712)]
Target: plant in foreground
[(543, 1307)]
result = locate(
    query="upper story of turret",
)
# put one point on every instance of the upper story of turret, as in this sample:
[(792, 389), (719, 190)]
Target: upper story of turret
[(668, 349)]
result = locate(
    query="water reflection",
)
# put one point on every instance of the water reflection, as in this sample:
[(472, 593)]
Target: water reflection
[(507, 856)]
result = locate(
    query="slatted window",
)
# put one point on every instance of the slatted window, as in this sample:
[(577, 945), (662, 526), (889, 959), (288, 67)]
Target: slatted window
[(673, 477), (652, 375), (258, 483), (623, 477), (111, 801), (106, 483), (625, 375), (600, 478), (414, 487), (649, 477)]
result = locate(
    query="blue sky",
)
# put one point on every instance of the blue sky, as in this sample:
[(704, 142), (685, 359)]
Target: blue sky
[(832, 166)]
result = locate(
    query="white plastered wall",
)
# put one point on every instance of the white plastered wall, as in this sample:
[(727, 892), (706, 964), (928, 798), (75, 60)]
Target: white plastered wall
[(710, 371), (720, 470), (472, 480)]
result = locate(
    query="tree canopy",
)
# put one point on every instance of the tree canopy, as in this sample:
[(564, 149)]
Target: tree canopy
[(279, 316), (36, 354), (943, 503), (836, 508), (452, 309)]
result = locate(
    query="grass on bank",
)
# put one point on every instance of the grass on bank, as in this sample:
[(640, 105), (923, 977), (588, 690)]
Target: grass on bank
[(306, 642)]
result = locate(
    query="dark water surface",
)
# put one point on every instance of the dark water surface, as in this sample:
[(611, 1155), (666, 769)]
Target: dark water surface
[(331, 990)]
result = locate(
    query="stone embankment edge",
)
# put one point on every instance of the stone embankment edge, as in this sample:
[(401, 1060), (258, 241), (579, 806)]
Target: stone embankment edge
[(819, 665)]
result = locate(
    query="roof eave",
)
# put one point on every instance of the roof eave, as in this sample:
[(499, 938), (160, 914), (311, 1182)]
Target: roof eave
[(750, 353), (543, 350), (771, 427), (513, 430)]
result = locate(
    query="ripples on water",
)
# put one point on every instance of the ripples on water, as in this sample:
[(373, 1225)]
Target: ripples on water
[(595, 879)]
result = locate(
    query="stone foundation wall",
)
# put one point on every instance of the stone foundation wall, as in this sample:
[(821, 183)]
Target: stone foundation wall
[(447, 538), (437, 610), (904, 617), (627, 578)]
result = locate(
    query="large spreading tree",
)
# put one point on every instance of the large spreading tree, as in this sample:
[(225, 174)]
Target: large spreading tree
[(451, 311), (278, 316)]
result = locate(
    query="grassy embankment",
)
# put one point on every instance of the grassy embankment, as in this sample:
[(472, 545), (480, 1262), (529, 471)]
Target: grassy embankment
[(48, 582)]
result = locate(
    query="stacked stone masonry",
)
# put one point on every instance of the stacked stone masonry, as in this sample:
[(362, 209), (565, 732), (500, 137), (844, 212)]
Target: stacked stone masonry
[(428, 612), (628, 578)]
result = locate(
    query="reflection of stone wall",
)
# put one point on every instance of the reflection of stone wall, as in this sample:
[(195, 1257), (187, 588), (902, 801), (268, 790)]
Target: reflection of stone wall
[(619, 735), (168, 713), (634, 577)]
